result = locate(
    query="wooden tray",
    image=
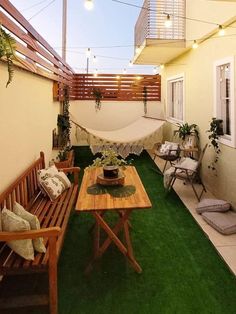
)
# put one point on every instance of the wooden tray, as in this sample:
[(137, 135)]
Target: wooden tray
[(111, 181)]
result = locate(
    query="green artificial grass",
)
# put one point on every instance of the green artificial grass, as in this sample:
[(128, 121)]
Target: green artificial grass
[(182, 272)]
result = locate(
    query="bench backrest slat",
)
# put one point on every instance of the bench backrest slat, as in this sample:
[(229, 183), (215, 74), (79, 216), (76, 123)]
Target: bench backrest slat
[(24, 187)]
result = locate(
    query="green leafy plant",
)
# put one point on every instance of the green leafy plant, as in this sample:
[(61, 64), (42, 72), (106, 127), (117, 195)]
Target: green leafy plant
[(63, 154), (109, 158), (7, 52), (216, 129), (186, 129), (97, 94)]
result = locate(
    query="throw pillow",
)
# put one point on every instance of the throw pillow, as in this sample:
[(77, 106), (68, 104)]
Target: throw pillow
[(43, 174), (225, 223), (63, 178), (12, 223), (212, 205), (34, 225), (53, 187)]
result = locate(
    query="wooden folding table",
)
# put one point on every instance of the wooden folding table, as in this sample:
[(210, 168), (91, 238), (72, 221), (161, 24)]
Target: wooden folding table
[(97, 205)]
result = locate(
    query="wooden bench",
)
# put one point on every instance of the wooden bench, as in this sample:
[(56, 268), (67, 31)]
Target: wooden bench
[(53, 217)]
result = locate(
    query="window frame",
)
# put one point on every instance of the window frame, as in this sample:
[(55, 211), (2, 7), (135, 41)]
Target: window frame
[(169, 81), (229, 140)]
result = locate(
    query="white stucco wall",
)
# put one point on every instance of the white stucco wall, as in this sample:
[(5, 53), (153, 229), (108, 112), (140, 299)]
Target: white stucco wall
[(113, 114), (28, 115)]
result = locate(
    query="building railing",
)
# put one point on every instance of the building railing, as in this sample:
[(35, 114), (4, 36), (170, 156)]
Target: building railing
[(151, 21), (128, 87), (34, 53)]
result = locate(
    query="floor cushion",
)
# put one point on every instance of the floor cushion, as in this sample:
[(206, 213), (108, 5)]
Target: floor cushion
[(212, 205), (225, 223)]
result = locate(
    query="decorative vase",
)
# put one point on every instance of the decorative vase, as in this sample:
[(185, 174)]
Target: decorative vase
[(110, 171)]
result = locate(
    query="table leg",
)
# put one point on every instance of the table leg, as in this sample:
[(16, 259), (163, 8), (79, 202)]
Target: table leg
[(112, 234)]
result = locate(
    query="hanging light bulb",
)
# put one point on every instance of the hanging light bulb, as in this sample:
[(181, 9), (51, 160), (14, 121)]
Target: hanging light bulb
[(168, 22), (195, 44), (221, 31), (130, 63), (95, 59), (95, 73), (137, 50), (88, 4), (88, 52), (124, 71)]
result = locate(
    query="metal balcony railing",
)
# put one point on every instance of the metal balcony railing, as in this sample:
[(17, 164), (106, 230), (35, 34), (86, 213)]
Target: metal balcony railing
[(151, 21)]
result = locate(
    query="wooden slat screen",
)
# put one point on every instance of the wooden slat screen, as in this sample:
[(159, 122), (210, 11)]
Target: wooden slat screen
[(37, 55), (126, 87), (151, 21)]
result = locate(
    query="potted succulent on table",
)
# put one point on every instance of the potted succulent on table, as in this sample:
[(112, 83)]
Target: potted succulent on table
[(110, 163)]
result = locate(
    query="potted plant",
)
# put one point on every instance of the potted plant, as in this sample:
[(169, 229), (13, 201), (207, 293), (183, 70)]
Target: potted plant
[(110, 163), (216, 129), (188, 133), (7, 51), (97, 94)]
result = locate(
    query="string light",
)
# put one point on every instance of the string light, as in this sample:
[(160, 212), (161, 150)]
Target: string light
[(168, 22), (130, 63), (155, 70), (95, 59), (124, 71), (95, 73), (88, 52), (221, 31), (88, 4), (195, 44), (137, 50)]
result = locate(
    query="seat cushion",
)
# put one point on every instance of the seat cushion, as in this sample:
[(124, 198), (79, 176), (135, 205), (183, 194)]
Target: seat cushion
[(225, 223), (212, 205)]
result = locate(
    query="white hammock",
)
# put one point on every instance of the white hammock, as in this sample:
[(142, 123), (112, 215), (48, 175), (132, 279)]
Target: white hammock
[(141, 134)]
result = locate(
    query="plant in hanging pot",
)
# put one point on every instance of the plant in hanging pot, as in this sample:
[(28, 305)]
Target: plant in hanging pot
[(97, 94), (216, 129), (110, 162), (7, 51)]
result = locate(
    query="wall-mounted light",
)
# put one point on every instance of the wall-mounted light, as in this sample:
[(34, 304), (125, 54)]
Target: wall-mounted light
[(168, 22), (88, 4), (221, 31), (195, 44)]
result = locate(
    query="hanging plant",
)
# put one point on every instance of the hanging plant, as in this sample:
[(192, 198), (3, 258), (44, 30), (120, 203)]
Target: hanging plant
[(216, 129), (97, 94), (145, 99), (63, 122), (7, 52)]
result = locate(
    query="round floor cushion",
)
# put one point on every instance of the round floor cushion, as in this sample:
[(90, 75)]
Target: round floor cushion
[(212, 205), (225, 223)]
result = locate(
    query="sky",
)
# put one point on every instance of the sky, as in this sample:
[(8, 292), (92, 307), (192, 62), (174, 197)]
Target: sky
[(108, 30)]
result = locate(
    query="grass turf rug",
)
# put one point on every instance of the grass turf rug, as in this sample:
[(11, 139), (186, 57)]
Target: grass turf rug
[(182, 272)]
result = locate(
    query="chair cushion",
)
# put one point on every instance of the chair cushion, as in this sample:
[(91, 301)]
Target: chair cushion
[(225, 223), (212, 205), (12, 223), (34, 225)]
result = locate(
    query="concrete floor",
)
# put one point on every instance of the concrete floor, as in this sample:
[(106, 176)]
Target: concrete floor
[(224, 244)]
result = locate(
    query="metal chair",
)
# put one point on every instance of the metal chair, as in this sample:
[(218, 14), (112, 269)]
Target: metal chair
[(189, 176), (170, 156)]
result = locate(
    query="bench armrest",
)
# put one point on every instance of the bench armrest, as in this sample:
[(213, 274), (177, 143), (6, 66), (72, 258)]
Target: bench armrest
[(75, 171), (33, 234)]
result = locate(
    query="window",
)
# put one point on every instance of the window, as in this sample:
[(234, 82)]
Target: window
[(224, 98), (175, 98)]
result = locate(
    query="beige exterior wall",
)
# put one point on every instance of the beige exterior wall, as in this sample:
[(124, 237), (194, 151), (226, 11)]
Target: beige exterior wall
[(28, 115), (205, 10), (197, 66)]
